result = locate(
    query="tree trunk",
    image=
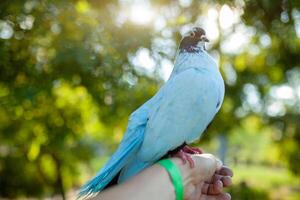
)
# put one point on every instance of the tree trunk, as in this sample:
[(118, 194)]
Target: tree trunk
[(59, 186)]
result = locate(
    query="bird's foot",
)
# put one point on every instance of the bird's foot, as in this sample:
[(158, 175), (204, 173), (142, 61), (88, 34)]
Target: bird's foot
[(192, 150), (184, 156)]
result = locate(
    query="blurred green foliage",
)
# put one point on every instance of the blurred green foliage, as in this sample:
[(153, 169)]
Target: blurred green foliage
[(242, 191), (69, 80)]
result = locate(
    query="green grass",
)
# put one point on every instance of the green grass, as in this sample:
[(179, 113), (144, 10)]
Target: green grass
[(279, 183)]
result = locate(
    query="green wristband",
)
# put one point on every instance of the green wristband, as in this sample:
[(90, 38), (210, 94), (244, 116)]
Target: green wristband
[(175, 175)]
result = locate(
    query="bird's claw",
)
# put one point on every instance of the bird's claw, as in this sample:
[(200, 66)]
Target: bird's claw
[(184, 156), (192, 150)]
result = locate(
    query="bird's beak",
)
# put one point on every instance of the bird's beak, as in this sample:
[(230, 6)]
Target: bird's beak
[(204, 38)]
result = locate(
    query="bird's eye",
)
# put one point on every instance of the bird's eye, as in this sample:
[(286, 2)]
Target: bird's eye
[(192, 34)]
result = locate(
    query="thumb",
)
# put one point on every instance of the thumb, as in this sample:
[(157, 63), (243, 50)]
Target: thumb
[(205, 167)]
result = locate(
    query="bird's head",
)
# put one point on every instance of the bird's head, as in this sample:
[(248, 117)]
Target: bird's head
[(194, 40)]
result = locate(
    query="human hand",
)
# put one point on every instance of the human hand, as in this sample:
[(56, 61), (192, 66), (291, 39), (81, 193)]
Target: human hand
[(222, 178), (207, 179), (213, 190)]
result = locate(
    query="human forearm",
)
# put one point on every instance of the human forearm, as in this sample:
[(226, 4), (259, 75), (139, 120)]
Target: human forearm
[(154, 182)]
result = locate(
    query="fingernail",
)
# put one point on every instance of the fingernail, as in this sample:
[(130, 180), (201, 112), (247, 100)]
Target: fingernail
[(228, 196)]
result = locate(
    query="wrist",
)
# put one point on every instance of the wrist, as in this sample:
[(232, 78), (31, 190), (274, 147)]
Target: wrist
[(187, 173)]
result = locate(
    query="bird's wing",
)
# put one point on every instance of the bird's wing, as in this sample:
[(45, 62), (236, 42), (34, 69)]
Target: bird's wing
[(188, 104), (131, 141)]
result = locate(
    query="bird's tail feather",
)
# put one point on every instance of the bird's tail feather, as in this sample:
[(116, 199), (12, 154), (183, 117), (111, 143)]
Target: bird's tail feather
[(114, 165)]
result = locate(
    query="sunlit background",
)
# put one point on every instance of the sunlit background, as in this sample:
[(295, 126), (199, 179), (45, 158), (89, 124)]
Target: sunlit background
[(72, 71)]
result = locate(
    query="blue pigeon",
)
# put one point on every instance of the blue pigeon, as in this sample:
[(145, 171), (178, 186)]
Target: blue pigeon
[(176, 115)]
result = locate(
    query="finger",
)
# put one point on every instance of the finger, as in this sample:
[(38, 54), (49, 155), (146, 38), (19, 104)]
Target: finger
[(223, 196), (217, 177), (225, 171), (217, 163), (227, 180), (205, 166), (212, 188)]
